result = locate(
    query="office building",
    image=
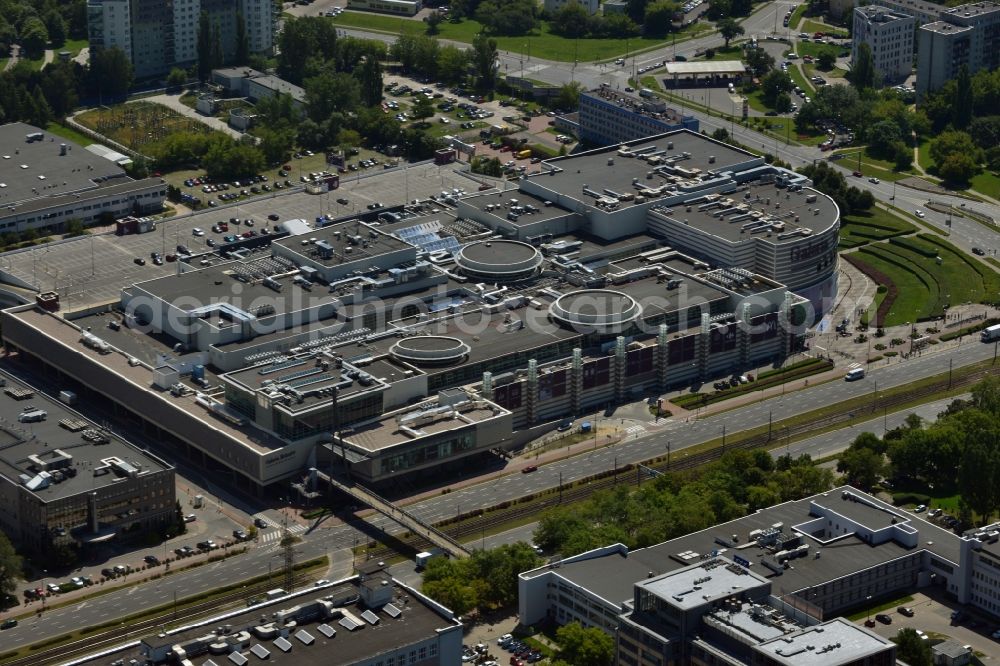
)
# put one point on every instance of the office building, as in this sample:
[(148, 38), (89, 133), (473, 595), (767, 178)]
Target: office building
[(67, 481), (967, 35), (890, 38), (768, 588), (365, 620), (416, 339), (610, 116), (46, 181), (157, 36)]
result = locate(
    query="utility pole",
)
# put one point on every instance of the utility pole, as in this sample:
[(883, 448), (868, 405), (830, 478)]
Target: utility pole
[(287, 543), (668, 455)]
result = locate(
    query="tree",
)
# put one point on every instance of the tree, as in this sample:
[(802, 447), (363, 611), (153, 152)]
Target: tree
[(176, 78), (882, 137), (729, 29), (10, 566), (963, 103), (41, 113), (826, 61), (978, 476), (636, 10), (241, 54), (759, 61), (986, 395), (571, 20), (484, 59), (370, 80), (453, 64), (863, 467), (659, 19), (422, 109), (569, 96), (275, 144), (862, 74), (985, 131), (783, 102), (912, 649), (433, 20), (956, 156), (56, 27), (204, 47), (217, 57), (773, 84), (902, 156), (34, 36), (508, 17), (958, 168), (331, 93), (584, 647)]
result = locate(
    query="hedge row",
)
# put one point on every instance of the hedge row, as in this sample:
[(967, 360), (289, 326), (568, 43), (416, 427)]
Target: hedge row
[(913, 245), (910, 498), (968, 330)]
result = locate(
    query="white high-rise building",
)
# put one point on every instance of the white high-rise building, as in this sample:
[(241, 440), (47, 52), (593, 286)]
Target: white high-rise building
[(890, 37), (157, 36), (966, 35)]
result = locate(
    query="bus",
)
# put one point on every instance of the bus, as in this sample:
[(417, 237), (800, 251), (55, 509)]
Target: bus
[(990, 334), (399, 7)]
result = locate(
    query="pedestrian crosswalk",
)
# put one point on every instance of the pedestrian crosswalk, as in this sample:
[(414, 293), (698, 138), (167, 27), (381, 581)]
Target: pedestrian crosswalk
[(274, 530), (636, 430)]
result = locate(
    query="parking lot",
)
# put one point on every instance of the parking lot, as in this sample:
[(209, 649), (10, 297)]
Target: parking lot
[(92, 269), (932, 615)]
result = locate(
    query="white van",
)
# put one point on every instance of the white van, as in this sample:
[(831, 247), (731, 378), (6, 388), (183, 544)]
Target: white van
[(854, 374)]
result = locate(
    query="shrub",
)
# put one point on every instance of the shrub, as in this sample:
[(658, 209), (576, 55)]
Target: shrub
[(910, 498)]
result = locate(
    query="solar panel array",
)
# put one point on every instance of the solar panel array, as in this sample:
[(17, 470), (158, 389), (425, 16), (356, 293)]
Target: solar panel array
[(349, 624), (326, 630), (282, 644), (238, 658), (391, 610), (304, 636), (260, 651), (370, 617)]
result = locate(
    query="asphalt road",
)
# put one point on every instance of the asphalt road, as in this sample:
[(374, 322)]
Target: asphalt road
[(337, 541)]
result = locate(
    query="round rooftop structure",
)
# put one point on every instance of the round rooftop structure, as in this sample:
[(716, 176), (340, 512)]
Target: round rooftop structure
[(430, 350), (499, 260), (602, 310)]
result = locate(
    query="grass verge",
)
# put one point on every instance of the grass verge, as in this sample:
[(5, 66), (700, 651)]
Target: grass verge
[(886, 605)]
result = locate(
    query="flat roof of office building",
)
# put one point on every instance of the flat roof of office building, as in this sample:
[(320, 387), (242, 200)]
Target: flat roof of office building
[(387, 432), (37, 170), (945, 28), (344, 243), (219, 284), (832, 643), (498, 205), (972, 9), (791, 210), (702, 583), (706, 67), (118, 366), (488, 335), (407, 620), (614, 581), (591, 168), (62, 433)]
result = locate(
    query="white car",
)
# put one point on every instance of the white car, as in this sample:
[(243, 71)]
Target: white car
[(197, 232), (918, 213), (874, 180), (920, 508)]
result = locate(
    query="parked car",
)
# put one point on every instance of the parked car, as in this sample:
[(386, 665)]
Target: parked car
[(151, 559), (883, 618), (905, 610)]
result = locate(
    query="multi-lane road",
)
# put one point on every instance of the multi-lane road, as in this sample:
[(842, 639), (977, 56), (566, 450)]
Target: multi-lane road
[(338, 541)]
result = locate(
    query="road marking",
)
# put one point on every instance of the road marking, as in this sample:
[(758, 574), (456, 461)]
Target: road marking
[(81, 606)]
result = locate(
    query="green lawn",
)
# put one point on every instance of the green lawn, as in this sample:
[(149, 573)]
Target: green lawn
[(74, 46), (876, 224), (925, 287), (987, 183), (815, 50), (924, 155), (911, 301), (69, 133), (542, 44), (870, 165), (813, 27), (800, 79), (811, 69), (793, 23)]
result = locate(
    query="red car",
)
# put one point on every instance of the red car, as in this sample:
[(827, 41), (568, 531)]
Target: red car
[(858, 174), (529, 469)]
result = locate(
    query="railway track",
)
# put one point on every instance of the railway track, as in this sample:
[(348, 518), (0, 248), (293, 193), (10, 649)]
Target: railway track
[(584, 488), (102, 640)]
